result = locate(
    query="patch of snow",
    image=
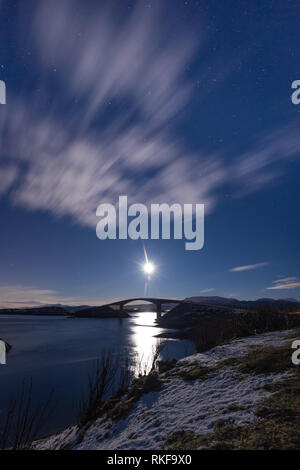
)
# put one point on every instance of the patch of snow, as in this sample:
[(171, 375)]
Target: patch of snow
[(237, 348), (193, 406), (68, 435)]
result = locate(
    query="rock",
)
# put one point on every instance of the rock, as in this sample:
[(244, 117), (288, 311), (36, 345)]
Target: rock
[(7, 345)]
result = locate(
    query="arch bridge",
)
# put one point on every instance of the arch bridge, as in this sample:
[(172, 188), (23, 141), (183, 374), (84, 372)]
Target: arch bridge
[(158, 302)]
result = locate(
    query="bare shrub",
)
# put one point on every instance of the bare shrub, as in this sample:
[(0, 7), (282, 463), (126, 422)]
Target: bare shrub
[(143, 366), (23, 421), (156, 353), (126, 374), (100, 384), (111, 377)]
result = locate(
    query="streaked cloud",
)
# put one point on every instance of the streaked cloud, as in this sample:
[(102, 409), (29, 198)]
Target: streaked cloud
[(266, 161), (285, 283), (292, 285), (101, 56), (8, 174), (23, 296), (206, 291), (119, 85), (285, 279), (130, 71), (248, 267), (20, 296)]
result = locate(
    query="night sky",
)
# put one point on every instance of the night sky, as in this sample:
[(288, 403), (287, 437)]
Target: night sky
[(164, 101)]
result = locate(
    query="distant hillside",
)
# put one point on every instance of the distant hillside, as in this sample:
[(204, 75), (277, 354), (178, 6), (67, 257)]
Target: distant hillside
[(200, 310), (286, 305), (212, 300), (191, 313), (49, 311), (74, 308), (100, 312)]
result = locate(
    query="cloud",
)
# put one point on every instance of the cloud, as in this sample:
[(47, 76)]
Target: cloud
[(285, 283), (292, 285), (248, 267), (139, 66), (285, 279), (100, 56), (70, 175), (205, 291), (20, 296), (103, 118), (8, 174), (266, 161)]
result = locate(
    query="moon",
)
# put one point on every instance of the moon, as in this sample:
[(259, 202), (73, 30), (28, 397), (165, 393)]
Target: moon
[(148, 268)]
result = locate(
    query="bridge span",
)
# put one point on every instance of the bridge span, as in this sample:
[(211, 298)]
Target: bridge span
[(158, 302)]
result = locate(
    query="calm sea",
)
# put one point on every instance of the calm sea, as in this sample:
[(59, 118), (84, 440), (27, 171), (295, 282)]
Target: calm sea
[(59, 352)]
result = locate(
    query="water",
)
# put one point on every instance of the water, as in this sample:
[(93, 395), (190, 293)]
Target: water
[(59, 352)]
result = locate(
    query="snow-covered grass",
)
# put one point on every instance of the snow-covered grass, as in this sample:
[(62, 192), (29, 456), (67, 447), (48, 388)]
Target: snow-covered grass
[(238, 348), (194, 405)]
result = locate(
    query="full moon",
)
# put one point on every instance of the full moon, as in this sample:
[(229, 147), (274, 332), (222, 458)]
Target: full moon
[(148, 268)]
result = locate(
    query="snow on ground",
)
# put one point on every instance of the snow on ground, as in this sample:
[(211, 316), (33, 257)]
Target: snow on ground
[(189, 405), (238, 348)]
